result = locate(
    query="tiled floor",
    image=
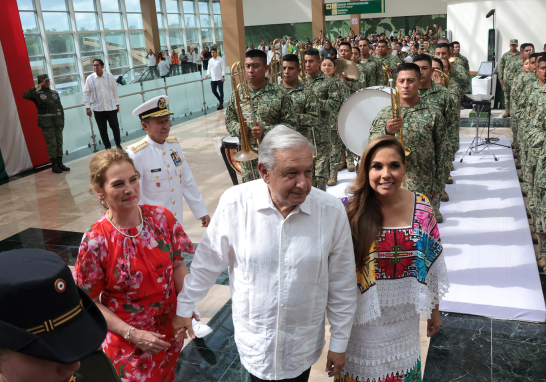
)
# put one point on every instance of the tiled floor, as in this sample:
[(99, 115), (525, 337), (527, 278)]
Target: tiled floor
[(48, 211)]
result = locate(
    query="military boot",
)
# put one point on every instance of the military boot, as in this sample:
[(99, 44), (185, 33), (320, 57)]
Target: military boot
[(333, 176), (55, 167), (350, 165), (518, 165), (61, 165), (449, 180), (452, 167), (507, 114), (321, 184), (445, 197), (439, 218)]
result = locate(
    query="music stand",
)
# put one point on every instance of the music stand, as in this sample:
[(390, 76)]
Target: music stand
[(479, 102)]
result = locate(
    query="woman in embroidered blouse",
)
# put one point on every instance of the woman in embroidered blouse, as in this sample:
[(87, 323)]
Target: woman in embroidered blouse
[(401, 271), (130, 263)]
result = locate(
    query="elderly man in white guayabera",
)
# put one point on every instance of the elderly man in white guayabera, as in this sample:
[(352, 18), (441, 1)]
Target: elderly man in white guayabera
[(290, 256)]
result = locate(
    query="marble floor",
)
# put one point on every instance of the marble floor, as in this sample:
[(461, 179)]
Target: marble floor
[(51, 211)]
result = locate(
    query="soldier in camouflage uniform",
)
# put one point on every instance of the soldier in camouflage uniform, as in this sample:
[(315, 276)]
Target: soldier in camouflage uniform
[(306, 104), (458, 78), (438, 96), (345, 52), (505, 60), (425, 134), (516, 67), (515, 91), (372, 68), (388, 60), (329, 99), (461, 60), (50, 119), (336, 157), (272, 107), (399, 53)]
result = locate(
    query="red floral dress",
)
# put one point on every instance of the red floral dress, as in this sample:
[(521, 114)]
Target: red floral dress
[(135, 276)]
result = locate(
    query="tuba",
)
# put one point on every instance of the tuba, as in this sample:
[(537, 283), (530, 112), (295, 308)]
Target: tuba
[(443, 76), (397, 113), (300, 51), (453, 59), (276, 73), (241, 94), (388, 76)]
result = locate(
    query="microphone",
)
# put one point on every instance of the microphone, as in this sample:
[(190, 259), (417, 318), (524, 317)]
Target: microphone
[(491, 13)]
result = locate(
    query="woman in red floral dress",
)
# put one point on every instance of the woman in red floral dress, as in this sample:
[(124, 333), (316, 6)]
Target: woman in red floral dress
[(130, 263)]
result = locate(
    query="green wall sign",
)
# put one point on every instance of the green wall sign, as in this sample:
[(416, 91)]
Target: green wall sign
[(355, 7)]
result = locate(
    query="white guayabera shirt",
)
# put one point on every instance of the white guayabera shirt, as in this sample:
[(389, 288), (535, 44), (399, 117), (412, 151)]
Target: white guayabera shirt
[(284, 275)]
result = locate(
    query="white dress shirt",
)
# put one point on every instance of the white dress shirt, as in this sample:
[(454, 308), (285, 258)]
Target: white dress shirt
[(104, 91), (164, 68), (196, 58), (151, 60), (190, 57), (166, 177), (284, 275), (216, 69)]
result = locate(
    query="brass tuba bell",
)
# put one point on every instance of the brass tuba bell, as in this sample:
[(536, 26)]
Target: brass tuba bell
[(396, 112), (443, 76)]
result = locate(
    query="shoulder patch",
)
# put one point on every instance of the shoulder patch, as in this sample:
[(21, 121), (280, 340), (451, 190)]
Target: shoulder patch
[(138, 146), (171, 139)]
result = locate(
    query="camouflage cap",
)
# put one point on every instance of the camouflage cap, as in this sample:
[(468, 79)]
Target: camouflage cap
[(421, 46), (42, 78), (514, 42)]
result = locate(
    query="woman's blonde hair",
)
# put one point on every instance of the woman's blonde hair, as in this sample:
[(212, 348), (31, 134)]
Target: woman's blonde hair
[(100, 163)]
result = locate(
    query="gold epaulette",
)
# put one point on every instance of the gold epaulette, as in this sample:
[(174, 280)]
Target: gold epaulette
[(171, 139), (138, 146)]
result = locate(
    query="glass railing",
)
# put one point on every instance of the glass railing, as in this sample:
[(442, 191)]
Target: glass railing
[(189, 96)]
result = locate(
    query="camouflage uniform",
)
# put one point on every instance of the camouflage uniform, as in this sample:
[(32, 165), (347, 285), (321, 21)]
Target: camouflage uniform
[(354, 86), (460, 78), (438, 96), (50, 118), (402, 55), (392, 62), (374, 71), (515, 91), (329, 99), (537, 138), (337, 144), (272, 107), (504, 63), (463, 61), (425, 135), (514, 68)]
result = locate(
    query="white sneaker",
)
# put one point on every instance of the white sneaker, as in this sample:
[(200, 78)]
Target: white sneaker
[(201, 330)]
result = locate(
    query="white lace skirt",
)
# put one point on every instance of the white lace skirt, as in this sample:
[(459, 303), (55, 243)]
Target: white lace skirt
[(387, 345)]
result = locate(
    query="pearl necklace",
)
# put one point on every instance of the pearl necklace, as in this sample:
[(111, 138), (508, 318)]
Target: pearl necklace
[(117, 229)]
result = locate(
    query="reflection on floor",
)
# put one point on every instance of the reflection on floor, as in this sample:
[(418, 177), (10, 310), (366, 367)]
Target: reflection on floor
[(49, 211)]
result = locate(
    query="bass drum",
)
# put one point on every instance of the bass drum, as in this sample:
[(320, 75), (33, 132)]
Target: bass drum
[(230, 146), (357, 114)]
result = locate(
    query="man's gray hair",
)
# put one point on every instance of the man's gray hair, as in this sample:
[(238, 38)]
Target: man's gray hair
[(280, 138)]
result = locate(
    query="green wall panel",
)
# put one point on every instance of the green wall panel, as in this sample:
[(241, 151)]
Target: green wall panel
[(255, 34)]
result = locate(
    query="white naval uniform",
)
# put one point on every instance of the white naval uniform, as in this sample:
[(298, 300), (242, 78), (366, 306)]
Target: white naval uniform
[(166, 177)]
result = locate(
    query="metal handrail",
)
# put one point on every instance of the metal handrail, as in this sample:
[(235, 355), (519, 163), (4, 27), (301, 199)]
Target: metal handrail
[(202, 80)]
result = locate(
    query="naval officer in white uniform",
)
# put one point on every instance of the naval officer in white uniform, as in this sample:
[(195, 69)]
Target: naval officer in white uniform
[(166, 177)]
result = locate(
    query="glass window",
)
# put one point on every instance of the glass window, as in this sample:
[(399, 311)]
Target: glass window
[(175, 37), (137, 39), (217, 21), (192, 36), (172, 6), (56, 21), (112, 21), (132, 5), (205, 21), (109, 5), (86, 21), (89, 42), (219, 34), (84, 5), (158, 6), (63, 64), (67, 85), (203, 7), (134, 21), (138, 48), (53, 5), (160, 20), (117, 59), (25, 5), (37, 65), (119, 71), (190, 21), (206, 36), (60, 43), (188, 6), (87, 61), (173, 20), (28, 21), (34, 44), (163, 39), (115, 40), (216, 7)]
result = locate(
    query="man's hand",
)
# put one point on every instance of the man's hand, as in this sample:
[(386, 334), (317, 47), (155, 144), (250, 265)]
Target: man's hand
[(335, 363), (207, 76), (433, 325), (223, 79), (388, 70), (88, 111), (182, 327), (257, 131), (205, 220), (343, 78), (117, 108), (502, 84), (393, 125), (433, 195), (39, 86)]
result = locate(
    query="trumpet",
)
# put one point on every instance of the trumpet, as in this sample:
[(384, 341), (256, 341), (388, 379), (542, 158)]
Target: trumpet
[(396, 112), (275, 66), (301, 55), (388, 76), (443, 76), (241, 92)]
